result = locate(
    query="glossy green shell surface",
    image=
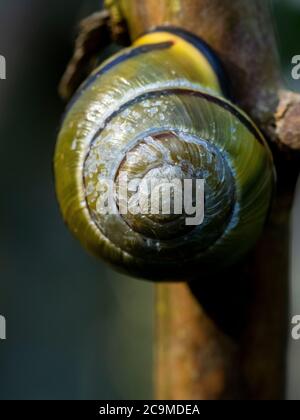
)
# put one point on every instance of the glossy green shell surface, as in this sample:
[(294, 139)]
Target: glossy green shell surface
[(157, 109)]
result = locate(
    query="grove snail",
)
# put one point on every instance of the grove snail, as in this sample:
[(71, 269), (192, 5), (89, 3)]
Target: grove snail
[(159, 110)]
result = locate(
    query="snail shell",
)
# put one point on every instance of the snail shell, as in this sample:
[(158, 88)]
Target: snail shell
[(158, 111)]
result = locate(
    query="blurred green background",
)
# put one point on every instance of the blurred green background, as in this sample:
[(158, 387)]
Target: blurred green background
[(75, 328)]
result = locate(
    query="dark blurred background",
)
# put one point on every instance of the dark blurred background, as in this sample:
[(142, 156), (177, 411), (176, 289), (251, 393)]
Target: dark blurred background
[(75, 328)]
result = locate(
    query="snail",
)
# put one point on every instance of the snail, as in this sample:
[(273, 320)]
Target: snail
[(161, 110)]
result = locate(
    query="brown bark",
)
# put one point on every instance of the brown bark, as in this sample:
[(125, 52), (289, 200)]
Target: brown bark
[(241, 32), (202, 353), (287, 119), (221, 337), (225, 337)]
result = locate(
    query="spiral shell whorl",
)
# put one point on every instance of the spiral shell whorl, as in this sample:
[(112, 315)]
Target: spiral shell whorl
[(164, 159)]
